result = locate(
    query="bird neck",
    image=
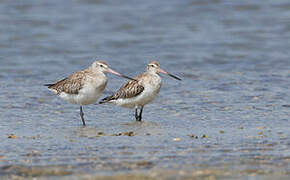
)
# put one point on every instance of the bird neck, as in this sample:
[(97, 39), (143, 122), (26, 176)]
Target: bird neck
[(151, 72)]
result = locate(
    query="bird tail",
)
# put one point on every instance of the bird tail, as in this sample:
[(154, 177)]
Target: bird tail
[(48, 85), (106, 100)]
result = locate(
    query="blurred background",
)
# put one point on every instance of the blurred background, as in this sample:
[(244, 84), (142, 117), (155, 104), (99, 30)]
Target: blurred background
[(228, 118)]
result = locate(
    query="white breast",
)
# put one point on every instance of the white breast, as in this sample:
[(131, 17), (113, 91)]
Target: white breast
[(89, 94)]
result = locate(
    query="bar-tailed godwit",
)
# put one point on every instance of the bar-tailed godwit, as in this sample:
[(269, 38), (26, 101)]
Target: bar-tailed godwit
[(84, 87), (136, 94)]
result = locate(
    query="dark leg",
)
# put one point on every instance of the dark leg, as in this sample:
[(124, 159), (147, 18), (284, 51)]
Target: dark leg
[(82, 115), (140, 114), (136, 114)]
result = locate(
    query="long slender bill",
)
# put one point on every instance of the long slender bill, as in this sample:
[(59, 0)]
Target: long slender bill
[(171, 75), (118, 74)]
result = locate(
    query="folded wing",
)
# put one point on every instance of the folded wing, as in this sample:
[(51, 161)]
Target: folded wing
[(128, 90), (70, 85)]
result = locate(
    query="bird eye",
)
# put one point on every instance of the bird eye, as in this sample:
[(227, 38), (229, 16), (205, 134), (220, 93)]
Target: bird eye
[(152, 65), (101, 65)]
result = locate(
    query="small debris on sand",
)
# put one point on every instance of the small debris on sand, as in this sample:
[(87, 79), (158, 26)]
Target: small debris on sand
[(176, 139), (33, 154), (204, 136), (130, 133), (193, 136), (12, 136)]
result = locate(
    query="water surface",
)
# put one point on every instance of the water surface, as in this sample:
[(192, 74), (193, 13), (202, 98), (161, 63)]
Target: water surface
[(228, 118)]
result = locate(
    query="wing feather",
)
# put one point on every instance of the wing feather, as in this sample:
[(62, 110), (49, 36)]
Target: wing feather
[(128, 90), (70, 85)]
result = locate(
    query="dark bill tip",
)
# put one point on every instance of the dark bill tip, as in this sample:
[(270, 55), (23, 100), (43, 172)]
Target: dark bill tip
[(175, 77)]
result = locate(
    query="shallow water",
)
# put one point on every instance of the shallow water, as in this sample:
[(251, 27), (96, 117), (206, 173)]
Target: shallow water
[(228, 118)]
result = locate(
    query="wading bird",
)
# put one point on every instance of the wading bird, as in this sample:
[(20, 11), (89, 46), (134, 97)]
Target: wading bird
[(84, 87), (136, 94)]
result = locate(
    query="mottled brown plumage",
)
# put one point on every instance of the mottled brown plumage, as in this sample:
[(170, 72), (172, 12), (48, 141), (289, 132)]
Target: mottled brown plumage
[(71, 84), (103, 62), (128, 90), (136, 94), (155, 63), (84, 87)]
